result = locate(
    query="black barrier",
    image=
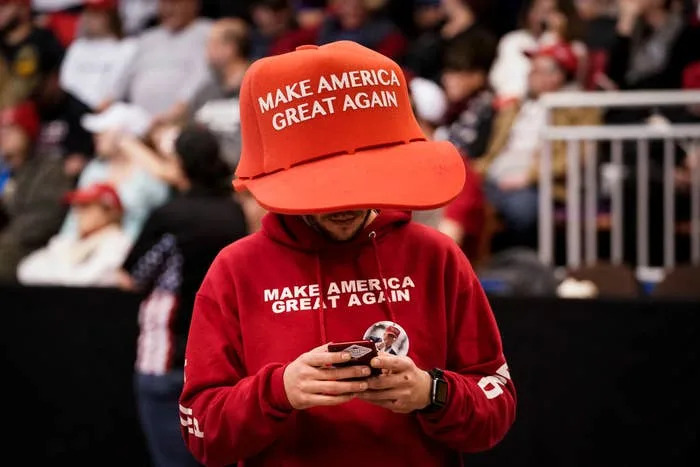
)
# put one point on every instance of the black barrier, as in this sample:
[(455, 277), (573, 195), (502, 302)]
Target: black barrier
[(599, 382)]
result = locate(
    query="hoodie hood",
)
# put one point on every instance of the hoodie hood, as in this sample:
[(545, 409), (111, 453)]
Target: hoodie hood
[(295, 233)]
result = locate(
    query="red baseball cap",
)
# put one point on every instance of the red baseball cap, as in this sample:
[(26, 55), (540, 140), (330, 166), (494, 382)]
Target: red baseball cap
[(101, 4), (561, 52), (330, 128), (393, 330), (101, 193), (24, 116)]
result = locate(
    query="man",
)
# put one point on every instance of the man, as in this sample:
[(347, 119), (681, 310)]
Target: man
[(91, 259), (30, 196), (216, 103), (29, 56), (169, 64), (330, 147), (510, 164), (391, 333)]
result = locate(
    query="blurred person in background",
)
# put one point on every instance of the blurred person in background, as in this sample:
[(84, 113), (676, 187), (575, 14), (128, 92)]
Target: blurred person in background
[(139, 189), (465, 79), (543, 22), (168, 262), (169, 64), (276, 30), (29, 56), (91, 259), (352, 20), (642, 55), (429, 106), (423, 55), (89, 72), (464, 219), (31, 189), (98, 56), (598, 17), (510, 164), (440, 24), (216, 103)]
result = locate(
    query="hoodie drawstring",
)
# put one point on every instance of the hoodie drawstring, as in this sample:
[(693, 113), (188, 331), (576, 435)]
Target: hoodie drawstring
[(373, 237), (322, 309)]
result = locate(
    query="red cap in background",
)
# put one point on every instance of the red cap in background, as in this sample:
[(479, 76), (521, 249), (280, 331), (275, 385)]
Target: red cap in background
[(101, 4), (393, 330), (24, 116), (101, 193), (561, 52)]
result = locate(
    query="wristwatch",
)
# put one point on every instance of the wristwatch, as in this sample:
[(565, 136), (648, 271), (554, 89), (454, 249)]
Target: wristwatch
[(438, 391)]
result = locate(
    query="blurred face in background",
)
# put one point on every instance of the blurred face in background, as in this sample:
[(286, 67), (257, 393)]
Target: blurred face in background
[(461, 84), (351, 13), (539, 14), (220, 51), (10, 15), (96, 23), (177, 14), (545, 76), (106, 145), (92, 217), (428, 17), (14, 145), (271, 22)]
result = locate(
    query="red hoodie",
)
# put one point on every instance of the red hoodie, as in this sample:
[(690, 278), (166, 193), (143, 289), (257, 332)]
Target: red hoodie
[(261, 306)]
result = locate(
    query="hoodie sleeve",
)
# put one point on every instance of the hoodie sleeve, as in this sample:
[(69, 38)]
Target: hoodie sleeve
[(226, 414), (481, 397)]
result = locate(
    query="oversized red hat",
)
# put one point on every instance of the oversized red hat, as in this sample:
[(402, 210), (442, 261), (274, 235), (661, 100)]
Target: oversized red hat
[(560, 52), (331, 128), (101, 193), (23, 116)]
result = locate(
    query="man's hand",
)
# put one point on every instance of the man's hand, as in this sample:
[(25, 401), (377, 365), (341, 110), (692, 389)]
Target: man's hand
[(311, 381), (402, 388)]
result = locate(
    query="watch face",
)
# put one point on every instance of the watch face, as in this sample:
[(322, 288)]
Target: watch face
[(440, 392)]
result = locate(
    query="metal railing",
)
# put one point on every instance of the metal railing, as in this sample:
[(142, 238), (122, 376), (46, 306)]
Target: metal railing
[(581, 217)]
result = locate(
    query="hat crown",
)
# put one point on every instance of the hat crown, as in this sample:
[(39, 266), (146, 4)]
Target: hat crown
[(319, 102)]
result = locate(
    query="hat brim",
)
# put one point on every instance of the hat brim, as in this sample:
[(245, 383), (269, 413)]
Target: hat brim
[(414, 176)]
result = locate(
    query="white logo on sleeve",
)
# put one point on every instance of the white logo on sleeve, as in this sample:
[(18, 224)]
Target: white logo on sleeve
[(191, 423), (493, 385)]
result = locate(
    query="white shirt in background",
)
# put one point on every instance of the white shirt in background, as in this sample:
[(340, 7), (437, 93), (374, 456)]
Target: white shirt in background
[(135, 14), (518, 155), (92, 261), (168, 67), (93, 67), (47, 6)]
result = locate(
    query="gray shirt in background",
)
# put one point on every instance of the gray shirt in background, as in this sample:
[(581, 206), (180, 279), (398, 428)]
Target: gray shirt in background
[(219, 109), (168, 67)]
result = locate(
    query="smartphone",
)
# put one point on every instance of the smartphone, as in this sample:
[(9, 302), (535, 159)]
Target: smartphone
[(361, 353)]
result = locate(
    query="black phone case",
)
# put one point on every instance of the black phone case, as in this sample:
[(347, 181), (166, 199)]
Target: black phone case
[(362, 353)]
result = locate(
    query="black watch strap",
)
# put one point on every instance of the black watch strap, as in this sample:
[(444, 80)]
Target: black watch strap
[(438, 391)]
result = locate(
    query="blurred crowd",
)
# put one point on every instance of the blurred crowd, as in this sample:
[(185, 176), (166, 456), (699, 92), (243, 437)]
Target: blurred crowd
[(120, 128)]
